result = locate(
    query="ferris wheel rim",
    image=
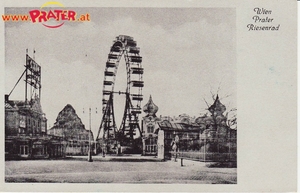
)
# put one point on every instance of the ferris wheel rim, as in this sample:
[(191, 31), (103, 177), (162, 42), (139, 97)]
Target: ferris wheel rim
[(124, 48)]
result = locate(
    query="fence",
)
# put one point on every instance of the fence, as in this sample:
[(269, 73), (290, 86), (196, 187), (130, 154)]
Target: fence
[(208, 149), (209, 157)]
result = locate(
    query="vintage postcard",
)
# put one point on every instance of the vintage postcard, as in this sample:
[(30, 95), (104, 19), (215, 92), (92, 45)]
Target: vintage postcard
[(140, 96)]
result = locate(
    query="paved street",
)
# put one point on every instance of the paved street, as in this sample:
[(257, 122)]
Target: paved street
[(116, 170)]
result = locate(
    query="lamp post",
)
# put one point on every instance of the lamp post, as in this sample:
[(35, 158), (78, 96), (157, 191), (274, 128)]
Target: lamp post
[(103, 148), (205, 141), (90, 159)]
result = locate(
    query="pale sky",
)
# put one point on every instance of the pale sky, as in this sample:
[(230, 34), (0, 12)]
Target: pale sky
[(187, 53)]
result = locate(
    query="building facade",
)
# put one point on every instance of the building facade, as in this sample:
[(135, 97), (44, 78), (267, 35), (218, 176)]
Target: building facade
[(77, 144), (149, 126), (25, 131), (69, 127)]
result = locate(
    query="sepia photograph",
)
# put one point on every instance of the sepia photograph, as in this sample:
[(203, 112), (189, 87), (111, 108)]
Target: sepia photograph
[(139, 97), (120, 98)]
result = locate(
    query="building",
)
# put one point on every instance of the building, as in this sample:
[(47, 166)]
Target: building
[(25, 123), (206, 138), (149, 126), (69, 127), (25, 131)]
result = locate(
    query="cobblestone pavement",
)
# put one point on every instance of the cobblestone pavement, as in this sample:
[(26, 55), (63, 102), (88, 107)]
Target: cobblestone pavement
[(117, 170)]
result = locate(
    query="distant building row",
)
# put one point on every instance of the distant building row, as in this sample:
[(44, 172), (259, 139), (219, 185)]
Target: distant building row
[(26, 135)]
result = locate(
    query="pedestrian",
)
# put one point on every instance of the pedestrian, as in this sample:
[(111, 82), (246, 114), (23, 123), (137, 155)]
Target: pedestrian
[(174, 148)]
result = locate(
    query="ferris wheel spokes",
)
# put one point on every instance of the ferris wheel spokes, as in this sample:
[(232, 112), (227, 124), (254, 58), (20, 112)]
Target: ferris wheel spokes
[(127, 47)]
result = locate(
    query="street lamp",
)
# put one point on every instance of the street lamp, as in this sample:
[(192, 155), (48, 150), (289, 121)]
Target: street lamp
[(103, 148), (90, 159)]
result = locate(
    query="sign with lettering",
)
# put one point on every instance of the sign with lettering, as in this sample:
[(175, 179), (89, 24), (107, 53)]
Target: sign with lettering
[(34, 76), (262, 21)]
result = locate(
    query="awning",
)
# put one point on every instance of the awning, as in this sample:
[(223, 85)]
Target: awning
[(172, 126)]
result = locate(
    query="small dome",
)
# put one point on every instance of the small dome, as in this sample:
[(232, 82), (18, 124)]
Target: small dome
[(150, 108)]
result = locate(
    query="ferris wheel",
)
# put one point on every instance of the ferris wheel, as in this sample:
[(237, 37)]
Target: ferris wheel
[(123, 47)]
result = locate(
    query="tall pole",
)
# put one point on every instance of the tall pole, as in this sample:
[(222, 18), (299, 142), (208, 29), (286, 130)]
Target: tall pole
[(40, 82), (205, 147), (90, 149), (26, 78)]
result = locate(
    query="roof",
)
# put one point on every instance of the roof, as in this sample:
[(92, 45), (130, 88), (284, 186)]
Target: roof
[(150, 108), (9, 106), (14, 104), (217, 106), (172, 126)]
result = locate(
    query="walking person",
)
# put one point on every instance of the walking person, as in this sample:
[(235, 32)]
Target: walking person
[(175, 149)]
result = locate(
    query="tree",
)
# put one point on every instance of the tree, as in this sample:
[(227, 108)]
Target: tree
[(232, 118)]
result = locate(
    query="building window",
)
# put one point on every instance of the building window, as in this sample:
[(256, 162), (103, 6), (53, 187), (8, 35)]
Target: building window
[(150, 129), (24, 149), (21, 130), (22, 121), (151, 145), (168, 135), (150, 142)]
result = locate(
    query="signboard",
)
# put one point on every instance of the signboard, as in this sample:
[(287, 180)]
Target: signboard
[(32, 65), (33, 77)]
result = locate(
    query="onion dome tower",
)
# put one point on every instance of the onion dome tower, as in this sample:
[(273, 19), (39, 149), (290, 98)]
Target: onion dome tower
[(217, 108), (149, 126), (150, 108), (218, 119)]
